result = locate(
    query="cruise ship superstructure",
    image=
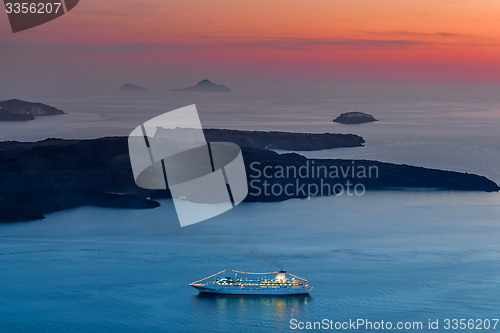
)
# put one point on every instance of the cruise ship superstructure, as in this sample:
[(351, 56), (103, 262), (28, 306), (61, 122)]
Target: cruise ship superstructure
[(269, 283)]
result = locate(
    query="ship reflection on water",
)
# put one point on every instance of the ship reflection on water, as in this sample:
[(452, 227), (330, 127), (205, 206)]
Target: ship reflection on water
[(230, 306)]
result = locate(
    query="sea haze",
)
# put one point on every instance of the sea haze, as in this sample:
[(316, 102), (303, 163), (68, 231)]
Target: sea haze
[(448, 126)]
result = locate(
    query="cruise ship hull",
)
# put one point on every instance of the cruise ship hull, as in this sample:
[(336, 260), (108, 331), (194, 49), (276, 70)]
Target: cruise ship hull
[(236, 290)]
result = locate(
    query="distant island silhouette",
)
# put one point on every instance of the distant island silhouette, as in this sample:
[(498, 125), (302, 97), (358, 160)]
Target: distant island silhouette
[(51, 175), (132, 87), (354, 118), (205, 86), (16, 110)]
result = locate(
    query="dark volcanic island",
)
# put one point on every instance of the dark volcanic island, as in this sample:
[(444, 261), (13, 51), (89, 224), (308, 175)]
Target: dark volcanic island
[(37, 178), (354, 118), (285, 140), (15, 110), (205, 86)]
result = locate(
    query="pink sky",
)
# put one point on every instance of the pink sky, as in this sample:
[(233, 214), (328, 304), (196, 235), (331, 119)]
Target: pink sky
[(426, 40)]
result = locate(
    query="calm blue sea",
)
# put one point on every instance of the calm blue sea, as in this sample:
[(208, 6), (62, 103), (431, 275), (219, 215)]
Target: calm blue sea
[(391, 256)]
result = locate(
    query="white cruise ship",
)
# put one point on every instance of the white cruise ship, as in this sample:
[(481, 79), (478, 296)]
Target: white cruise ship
[(270, 283)]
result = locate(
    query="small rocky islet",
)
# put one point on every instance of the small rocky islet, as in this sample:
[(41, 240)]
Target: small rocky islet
[(354, 118)]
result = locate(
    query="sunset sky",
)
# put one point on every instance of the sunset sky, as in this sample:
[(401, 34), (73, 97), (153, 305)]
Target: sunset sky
[(402, 40)]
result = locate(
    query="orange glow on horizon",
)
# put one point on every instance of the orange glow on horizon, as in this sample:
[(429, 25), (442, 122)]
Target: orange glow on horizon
[(462, 37)]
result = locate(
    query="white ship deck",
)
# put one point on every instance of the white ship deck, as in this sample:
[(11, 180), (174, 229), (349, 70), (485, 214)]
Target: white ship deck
[(279, 285)]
